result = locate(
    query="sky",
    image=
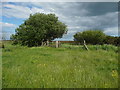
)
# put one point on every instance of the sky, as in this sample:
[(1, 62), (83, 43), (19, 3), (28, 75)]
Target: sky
[(78, 16)]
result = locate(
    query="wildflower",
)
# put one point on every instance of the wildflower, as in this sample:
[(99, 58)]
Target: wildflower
[(114, 73)]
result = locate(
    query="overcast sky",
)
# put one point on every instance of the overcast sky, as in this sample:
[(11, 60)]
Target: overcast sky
[(78, 16)]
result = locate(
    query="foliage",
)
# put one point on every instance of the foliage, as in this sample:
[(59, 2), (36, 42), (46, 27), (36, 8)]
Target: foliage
[(96, 37), (39, 28), (112, 40), (90, 36)]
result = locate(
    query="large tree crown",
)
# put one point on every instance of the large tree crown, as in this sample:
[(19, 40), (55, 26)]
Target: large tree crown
[(38, 28)]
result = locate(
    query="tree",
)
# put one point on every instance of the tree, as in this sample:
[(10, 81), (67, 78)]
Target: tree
[(39, 28), (90, 36)]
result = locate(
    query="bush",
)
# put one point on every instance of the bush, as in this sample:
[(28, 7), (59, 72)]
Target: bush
[(90, 36), (112, 40)]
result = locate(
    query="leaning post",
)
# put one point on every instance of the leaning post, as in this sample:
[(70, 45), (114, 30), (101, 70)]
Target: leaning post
[(85, 46)]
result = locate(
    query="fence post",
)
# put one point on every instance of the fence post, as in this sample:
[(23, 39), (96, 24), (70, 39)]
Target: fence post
[(85, 45), (47, 43), (42, 44), (57, 44)]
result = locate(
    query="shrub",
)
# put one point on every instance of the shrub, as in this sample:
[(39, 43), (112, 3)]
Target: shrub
[(112, 40), (90, 36)]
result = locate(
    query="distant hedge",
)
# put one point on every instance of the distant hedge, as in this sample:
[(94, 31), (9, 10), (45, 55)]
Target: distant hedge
[(112, 40)]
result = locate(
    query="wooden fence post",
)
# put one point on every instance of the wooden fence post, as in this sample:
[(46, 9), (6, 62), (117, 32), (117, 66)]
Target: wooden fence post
[(42, 44), (59, 43), (85, 45), (47, 43), (56, 44)]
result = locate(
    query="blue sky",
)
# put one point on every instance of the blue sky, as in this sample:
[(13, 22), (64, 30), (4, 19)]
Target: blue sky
[(78, 16)]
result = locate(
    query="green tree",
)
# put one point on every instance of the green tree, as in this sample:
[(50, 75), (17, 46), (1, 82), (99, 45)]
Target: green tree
[(90, 36), (39, 28)]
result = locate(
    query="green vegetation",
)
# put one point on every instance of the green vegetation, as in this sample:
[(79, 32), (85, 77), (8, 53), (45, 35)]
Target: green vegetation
[(90, 36), (112, 40), (69, 66), (39, 28), (96, 37)]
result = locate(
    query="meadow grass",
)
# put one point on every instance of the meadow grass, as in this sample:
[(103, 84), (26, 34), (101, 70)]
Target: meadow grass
[(69, 66)]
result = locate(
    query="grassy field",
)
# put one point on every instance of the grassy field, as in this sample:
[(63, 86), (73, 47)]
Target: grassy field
[(69, 66)]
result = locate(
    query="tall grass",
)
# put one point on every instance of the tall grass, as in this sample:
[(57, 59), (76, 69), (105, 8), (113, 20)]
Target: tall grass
[(92, 47), (69, 66)]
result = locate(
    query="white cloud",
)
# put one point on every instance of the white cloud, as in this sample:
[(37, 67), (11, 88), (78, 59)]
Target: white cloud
[(71, 31), (7, 25), (19, 11), (16, 11), (113, 31), (6, 29), (93, 22), (75, 27), (34, 10)]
